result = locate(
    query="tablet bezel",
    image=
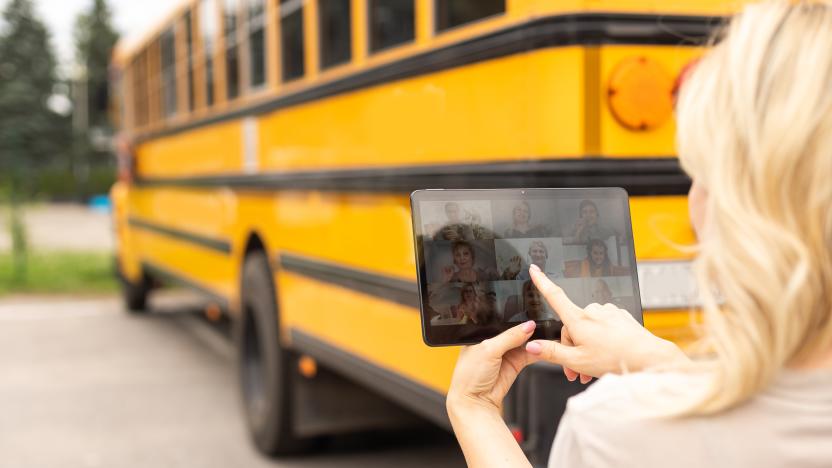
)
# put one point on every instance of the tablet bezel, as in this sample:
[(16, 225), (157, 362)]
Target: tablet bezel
[(455, 335)]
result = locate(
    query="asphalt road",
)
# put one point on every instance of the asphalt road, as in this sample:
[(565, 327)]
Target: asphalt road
[(83, 384)]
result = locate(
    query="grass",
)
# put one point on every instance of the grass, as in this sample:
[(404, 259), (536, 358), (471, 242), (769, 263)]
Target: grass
[(60, 273)]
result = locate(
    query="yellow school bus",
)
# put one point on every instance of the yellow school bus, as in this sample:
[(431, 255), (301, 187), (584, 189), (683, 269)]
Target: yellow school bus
[(267, 149)]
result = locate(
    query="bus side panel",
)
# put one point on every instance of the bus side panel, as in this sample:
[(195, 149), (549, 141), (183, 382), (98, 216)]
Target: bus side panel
[(188, 233)]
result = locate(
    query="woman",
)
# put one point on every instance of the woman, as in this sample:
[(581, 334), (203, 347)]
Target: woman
[(597, 262), (538, 255), (533, 305), (587, 226), (464, 269), (755, 134), (521, 216), (467, 302), (601, 292)]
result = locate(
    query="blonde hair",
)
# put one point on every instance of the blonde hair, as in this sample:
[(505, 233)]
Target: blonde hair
[(755, 130)]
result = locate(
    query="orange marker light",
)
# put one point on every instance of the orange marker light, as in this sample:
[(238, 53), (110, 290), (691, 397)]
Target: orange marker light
[(307, 367), (640, 94)]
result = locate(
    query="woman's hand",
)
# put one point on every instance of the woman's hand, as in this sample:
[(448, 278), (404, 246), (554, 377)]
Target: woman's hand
[(484, 372), (598, 339), (447, 274), (482, 377)]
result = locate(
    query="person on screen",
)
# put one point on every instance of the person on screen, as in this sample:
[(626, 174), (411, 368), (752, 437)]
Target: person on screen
[(521, 216), (485, 311), (464, 269), (588, 226), (461, 224), (601, 292), (534, 307), (538, 254), (597, 262), (467, 302)]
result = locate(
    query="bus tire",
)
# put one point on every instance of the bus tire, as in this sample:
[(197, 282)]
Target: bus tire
[(265, 367), (135, 294)]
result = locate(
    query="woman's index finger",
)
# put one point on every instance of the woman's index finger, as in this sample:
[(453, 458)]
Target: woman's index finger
[(555, 296)]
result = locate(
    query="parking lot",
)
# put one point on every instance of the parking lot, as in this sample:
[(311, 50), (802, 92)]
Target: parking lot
[(83, 384)]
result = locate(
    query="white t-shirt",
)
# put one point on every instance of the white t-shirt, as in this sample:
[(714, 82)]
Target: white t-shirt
[(613, 424)]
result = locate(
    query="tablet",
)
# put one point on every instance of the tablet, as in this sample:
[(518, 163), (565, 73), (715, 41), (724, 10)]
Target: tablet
[(474, 249)]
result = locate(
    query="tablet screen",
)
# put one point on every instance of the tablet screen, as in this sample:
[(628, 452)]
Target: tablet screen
[(474, 249)]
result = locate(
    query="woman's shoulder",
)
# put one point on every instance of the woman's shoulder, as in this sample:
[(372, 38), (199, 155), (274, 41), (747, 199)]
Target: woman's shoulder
[(620, 421), (638, 394)]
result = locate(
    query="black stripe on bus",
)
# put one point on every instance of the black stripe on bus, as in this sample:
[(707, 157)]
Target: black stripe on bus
[(214, 244), (654, 176), (159, 272), (412, 395), (554, 31), (384, 287)]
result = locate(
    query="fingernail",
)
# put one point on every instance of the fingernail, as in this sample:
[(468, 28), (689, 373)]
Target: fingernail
[(534, 267), (529, 326), (534, 347)]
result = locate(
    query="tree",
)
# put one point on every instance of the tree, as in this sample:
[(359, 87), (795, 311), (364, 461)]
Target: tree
[(95, 38), (30, 133), (27, 81)]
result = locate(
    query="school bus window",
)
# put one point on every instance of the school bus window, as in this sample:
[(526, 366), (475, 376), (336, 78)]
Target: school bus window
[(257, 42), (453, 13), (208, 28), (335, 32), (189, 56), (232, 58), (291, 38), (139, 76), (392, 22), (168, 84)]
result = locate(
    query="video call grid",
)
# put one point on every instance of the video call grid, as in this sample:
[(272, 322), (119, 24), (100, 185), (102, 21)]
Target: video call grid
[(477, 275)]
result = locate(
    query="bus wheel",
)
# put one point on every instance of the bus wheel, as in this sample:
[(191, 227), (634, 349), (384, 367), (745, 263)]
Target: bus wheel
[(264, 366), (135, 294)]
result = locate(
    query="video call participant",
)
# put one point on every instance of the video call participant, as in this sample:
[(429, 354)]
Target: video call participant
[(521, 216), (601, 293), (533, 306), (597, 262), (463, 269), (587, 226), (467, 302), (457, 228), (538, 254), (485, 310)]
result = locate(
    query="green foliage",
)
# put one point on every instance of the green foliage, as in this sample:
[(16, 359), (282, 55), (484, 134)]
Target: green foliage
[(61, 273), (59, 183), (95, 38), (30, 133)]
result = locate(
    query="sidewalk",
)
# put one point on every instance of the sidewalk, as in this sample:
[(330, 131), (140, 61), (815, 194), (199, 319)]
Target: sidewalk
[(65, 227)]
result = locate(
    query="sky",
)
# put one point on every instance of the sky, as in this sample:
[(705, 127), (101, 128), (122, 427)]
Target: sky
[(131, 17)]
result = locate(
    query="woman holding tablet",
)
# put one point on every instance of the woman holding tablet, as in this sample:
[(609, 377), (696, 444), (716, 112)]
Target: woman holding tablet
[(755, 134)]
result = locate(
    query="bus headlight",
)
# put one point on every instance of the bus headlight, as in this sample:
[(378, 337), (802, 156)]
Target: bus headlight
[(667, 285)]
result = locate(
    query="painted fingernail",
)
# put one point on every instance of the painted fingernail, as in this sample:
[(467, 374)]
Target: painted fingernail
[(534, 267), (534, 347), (529, 326)]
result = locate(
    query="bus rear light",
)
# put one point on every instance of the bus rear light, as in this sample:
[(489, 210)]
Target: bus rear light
[(684, 73), (640, 93), (667, 285), (518, 435), (125, 160)]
